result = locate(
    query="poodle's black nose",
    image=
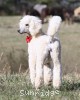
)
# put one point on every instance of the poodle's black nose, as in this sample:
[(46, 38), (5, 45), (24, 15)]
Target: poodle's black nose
[(18, 31)]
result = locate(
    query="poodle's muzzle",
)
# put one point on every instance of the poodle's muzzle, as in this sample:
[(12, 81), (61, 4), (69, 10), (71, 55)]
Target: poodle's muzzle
[(27, 32)]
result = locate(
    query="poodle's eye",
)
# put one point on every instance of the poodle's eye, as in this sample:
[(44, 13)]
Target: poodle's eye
[(27, 24)]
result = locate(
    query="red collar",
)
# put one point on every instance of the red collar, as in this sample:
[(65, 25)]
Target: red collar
[(28, 39)]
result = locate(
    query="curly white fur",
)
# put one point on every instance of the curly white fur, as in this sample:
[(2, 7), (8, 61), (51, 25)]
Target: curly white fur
[(44, 51)]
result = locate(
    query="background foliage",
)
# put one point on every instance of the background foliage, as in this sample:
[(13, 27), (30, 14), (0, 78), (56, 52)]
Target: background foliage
[(13, 7)]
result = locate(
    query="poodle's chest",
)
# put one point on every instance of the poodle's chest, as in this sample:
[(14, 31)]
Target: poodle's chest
[(40, 48), (38, 43), (41, 40)]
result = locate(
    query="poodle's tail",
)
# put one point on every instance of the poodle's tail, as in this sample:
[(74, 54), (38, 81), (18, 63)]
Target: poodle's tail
[(54, 25)]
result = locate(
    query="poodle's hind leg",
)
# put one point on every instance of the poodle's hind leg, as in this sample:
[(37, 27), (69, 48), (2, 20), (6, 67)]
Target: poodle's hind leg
[(56, 57), (47, 74)]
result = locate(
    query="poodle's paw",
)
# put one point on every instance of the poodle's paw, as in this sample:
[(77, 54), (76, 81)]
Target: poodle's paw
[(33, 82), (47, 81), (38, 82), (57, 84)]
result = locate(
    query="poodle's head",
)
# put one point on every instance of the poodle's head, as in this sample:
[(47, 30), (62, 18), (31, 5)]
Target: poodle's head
[(30, 25)]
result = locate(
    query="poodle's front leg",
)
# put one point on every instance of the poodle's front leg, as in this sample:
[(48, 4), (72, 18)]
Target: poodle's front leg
[(56, 57), (39, 72), (32, 67)]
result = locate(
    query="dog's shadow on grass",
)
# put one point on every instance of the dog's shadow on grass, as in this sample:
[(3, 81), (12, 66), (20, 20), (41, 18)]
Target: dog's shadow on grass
[(67, 86)]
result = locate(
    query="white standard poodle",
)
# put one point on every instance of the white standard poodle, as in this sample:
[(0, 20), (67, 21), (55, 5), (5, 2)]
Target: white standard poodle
[(44, 51)]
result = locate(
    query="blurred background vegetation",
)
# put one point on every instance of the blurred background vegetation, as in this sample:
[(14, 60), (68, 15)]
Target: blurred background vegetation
[(11, 7)]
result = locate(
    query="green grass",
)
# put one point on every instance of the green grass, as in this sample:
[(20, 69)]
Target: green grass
[(14, 63), (18, 87)]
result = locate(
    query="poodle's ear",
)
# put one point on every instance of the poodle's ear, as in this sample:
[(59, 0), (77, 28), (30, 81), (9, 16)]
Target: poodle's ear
[(35, 26)]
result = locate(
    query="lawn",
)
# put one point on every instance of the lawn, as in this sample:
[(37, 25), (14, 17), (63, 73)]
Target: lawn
[(14, 77)]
